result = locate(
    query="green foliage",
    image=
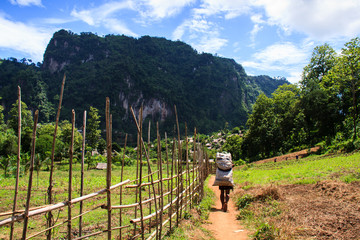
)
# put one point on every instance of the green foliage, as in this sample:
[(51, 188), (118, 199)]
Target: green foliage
[(65, 138), (8, 142), (233, 146), (343, 82), (324, 107), (265, 232), (244, 201), (93, 160), (92, 128), (207, 90), (118, 158)]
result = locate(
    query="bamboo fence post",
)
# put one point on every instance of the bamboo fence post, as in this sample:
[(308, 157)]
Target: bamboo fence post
[(149, 166), (161, 180), (140, 177), (167, 162), (137, 167), (82, 172), (158, 165), (31, 170), (121, 187), (157, 162), (177, 186), (187, 168), (180, 184), (193, 165), (108, 165), (17, 162), (149, 175), (50, 199), (171, 183), (71, 153), (201, 172)]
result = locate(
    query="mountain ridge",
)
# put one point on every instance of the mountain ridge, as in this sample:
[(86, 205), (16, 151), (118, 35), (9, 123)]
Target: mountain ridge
[(157, 73)]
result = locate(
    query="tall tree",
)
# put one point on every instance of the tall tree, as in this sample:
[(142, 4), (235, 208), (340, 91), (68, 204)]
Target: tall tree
[(92, 128), (321, 109), (322, 60), (289, 117), (26, 124), (261, 138), (344, 78)]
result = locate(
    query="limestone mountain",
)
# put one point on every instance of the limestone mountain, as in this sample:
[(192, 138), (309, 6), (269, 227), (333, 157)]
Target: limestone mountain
[(157, 73)]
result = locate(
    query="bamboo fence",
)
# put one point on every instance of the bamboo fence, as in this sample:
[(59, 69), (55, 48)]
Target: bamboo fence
[(162, 195)]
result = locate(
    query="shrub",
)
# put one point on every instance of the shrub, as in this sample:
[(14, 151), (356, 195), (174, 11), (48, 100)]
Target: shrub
[(244, 201), (265, 232)]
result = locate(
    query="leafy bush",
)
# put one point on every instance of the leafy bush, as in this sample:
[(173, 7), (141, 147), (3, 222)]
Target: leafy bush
[(244, 201), (265, 232)]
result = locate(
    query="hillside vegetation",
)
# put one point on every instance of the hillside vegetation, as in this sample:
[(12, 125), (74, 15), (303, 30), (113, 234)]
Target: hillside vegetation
[(322, 110), (154, 72)]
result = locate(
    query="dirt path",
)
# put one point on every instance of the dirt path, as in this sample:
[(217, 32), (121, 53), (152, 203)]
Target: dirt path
[(224, 224)]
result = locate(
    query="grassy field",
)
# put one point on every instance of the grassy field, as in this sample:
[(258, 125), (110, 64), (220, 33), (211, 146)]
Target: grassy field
[(95, 180), (306, 170), (311, 198)]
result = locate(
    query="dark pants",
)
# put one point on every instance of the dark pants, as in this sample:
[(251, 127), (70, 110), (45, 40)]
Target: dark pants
[(224, 196)]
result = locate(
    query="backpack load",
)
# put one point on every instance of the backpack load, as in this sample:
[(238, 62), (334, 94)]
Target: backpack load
[(224, 170)]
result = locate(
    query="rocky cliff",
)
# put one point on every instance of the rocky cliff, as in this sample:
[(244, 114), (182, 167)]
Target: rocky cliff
[(154, 73)]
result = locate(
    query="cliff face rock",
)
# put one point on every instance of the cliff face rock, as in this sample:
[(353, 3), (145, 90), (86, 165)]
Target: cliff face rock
[(154, 73)]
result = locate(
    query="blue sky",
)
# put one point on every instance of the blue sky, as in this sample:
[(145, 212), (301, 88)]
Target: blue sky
[(268, 37)]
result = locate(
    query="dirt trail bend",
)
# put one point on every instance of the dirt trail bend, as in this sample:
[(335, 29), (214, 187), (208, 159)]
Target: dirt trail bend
[(224, 224)]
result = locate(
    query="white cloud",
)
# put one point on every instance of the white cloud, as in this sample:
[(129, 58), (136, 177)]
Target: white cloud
[(26, 2), (282, 53), (285, 57), (116, 26), (159, 9), (27, 39), (202, 34), (106, 15), (317, 18), (98, 15), (195, 26), (210, 44), (257, 28), (230, 8)]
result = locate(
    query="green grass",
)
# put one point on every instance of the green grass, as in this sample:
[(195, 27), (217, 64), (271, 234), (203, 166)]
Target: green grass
[(95, 180), (303, 171)]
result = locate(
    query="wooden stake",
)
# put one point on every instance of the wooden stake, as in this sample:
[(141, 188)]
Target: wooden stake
[(193, 164), (187, 168), (121, 188), (50, 199), (161, 180), (108, 166), (149, 175), (82, 172), (18, 161), (171, 183), (140, 177), (180, 181), (167, 160), (71, 154), (148, 162), (137, 169), (31, 170)]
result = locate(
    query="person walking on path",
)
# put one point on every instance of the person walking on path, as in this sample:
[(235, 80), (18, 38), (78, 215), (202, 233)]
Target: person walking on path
[(224, 178)]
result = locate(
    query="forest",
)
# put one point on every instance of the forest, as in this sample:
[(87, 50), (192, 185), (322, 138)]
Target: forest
[(322, 109)]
